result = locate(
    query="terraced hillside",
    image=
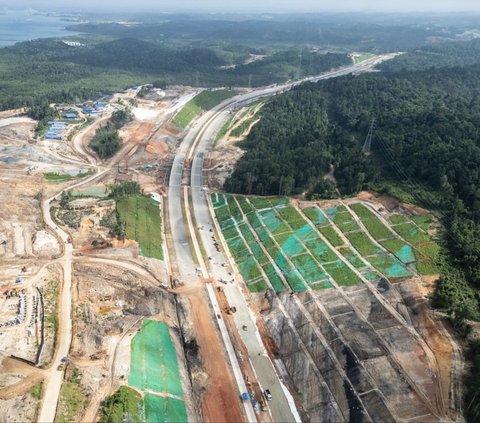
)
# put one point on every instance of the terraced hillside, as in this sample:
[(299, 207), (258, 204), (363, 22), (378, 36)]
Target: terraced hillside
[(346, 308)]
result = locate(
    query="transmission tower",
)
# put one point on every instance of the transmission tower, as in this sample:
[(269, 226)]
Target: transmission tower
[(367, 145)]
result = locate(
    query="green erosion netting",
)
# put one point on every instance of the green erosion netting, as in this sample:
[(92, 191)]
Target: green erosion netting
[(400, 250), (307, 267), (316, 216), (91, 192), (395, 219), (272, 248), (230, 233), (141, 216), (164, 409), (246, 232), (345, 221), (390, 267), (258, 253), (267, 202), (222, 214), (274, 224), (262, 233), (258, 286), (411, 233), (290, 244), (244, 204), (342, 274), (275, 280), (321, 284), (238, 249), (371, 275), (331, 235), (331, 212), (352, 257), (376, 228), (424, 221), (235, 211), (306, 233), (153, 359), (295, 281), (363, 244), (218, 199), (321, 251), (249, 269), (254, 221)]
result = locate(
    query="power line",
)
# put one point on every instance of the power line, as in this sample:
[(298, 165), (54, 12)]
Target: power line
[(367, 145)]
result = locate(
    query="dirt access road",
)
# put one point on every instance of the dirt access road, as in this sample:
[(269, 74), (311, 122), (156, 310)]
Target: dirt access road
[(64, 339)]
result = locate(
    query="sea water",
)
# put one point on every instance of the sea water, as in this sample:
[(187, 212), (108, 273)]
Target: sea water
[(25, 25)]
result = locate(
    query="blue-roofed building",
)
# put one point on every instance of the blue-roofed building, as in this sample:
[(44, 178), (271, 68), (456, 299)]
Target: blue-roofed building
[(70, 115), (87, 109), (53, 136), (99, 106)]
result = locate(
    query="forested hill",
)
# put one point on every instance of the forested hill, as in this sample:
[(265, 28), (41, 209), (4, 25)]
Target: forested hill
[(436, 55), (429, 121), (293, 146), (45, 71)]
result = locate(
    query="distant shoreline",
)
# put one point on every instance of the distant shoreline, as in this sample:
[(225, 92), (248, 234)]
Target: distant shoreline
[(27, 25)]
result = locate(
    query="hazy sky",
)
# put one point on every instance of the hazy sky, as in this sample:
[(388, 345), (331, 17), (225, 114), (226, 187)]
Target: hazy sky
[(253, 5)]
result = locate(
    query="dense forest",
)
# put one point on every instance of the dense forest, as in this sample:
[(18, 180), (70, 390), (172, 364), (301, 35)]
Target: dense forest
[(380, 33), (294, 145), (106, 141), (427, 140), (44, 71), (436, 55)]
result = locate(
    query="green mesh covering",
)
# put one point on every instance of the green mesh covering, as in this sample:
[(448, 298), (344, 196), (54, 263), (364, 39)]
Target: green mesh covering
[(274, 278), (238, 249), (390, 267), (164, 409), (342, 274), (352, 257), (307, 267), (153, 358), (249, 269), (290, 244), (316, 216), (321, 251), (306, 233), (401, 250), (411, 233)]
